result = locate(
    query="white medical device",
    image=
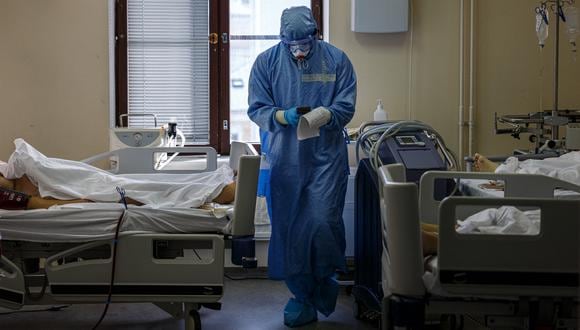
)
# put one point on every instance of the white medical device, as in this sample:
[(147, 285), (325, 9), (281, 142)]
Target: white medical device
[(123, 137), (135, 137)]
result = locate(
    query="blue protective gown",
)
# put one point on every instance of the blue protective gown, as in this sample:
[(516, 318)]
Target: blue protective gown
[(308, 177)]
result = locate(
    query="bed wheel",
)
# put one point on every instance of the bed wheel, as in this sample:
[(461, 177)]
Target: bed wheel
[(193, 320), (451, 322), (386, 319), (356, 310)]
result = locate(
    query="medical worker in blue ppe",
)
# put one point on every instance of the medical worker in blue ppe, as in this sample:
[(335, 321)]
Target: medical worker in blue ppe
[(308, 178)]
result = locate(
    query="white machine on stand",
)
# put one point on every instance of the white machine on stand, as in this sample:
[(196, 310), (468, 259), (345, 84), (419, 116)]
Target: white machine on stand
[(137, 137)]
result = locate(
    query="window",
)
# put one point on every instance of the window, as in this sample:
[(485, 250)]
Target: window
[(175, 59)]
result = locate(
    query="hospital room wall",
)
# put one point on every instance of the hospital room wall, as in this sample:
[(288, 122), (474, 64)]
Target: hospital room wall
[(54, 76), (54, 71), (511, 74)]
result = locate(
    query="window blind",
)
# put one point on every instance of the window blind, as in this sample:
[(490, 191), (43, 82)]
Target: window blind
[(168, 64)]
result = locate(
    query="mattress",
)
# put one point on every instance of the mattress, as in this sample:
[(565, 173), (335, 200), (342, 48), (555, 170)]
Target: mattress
[(95, 221), (481, 188)]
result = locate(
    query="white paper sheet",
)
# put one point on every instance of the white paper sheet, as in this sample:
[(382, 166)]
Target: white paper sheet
[(310, 123)]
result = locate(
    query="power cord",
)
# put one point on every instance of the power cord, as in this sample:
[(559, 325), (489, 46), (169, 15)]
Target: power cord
[(49, 309), (121, 192)]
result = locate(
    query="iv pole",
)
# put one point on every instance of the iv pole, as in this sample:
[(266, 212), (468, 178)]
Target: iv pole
[(555, 128), (555, 121)]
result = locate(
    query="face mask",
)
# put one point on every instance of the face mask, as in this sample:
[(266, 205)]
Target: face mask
[(300, 51)]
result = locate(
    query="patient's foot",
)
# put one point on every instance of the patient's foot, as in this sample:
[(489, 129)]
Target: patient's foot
[(482, 164), (227, 195)]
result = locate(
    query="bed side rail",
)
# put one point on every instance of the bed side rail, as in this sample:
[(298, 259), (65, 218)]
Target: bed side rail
[(515, 185), (547, 264), (401, 235), (246, 190), (239, 149), (12, 292), (143, 160)]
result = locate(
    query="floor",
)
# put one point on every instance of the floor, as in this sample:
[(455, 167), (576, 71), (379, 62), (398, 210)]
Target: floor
[(247, 304)]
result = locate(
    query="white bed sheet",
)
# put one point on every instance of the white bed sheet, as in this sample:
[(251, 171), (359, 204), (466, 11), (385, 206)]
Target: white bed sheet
[(67, 179), (96, 221), (472, 187)]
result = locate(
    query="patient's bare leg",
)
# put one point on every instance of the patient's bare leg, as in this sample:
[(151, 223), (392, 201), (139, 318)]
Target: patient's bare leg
[(482, 164), (35, 202)]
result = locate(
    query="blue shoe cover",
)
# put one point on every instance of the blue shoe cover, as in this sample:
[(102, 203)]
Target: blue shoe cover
[(297, 314), (325, 296)]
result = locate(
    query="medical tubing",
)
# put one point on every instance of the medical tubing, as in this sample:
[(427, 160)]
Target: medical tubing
[(162, 163), (363, 139), (114, 261), (387, 130)]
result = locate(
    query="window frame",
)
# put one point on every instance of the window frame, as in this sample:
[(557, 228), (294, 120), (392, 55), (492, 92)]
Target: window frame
[(219, 68)]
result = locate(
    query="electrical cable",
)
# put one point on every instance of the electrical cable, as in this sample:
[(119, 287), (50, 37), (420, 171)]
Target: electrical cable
[(49, 309), (121, 192)]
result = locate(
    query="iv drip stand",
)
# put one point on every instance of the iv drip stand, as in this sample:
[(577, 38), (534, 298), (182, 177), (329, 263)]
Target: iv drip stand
[(555, 128), (555, 121)]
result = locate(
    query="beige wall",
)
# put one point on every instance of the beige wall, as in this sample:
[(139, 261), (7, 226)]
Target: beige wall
[(512, 76), (54, 76), (54, 71)]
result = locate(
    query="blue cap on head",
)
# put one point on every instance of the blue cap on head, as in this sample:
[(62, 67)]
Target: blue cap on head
[(296, 24)]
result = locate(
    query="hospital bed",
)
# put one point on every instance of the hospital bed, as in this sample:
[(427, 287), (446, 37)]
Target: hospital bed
[(495, 188), (514, 281), (171, 257)]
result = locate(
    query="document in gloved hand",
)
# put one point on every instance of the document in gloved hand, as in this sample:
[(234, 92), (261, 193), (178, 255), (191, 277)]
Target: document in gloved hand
[(310, 123)]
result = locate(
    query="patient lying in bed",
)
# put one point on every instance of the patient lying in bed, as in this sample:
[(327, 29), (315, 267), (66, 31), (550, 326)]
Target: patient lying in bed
[(31, 180), (566, 167), (31, 198)]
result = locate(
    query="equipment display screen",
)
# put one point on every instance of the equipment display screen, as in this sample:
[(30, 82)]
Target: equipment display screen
[(409, 140)]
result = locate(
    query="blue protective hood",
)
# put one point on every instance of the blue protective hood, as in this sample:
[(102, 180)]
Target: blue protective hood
[(297, 23)]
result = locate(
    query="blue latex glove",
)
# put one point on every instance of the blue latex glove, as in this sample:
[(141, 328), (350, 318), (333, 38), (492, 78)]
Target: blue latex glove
[(291, 115)]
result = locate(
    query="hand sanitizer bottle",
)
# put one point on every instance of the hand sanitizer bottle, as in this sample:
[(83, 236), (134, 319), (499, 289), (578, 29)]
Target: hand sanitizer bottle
[(380, 114)]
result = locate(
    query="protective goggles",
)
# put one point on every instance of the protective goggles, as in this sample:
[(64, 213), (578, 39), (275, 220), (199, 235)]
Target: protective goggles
[(306, 41)]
